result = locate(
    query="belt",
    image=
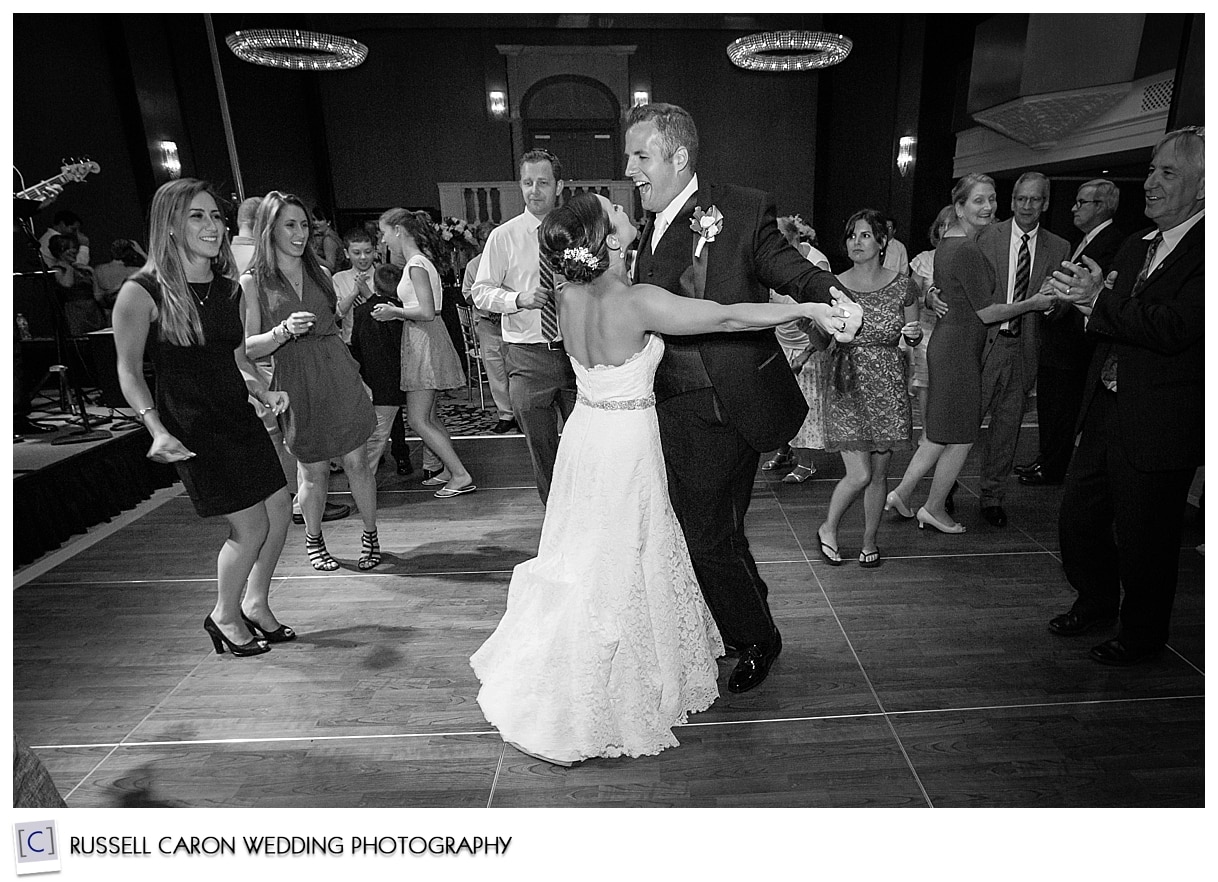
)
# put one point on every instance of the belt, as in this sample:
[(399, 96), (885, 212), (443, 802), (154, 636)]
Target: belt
[(552, 345), (1006, 333)]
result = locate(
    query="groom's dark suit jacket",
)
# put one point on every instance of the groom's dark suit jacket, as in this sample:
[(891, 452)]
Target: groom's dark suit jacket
[(748, 258)]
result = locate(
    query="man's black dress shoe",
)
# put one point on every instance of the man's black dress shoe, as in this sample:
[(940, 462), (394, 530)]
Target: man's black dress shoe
[(1026, 469), (504, 426), (1038, 478), (1071, 623), (754, 664), (994, 515), (431, 473), (1114, 652), (404, 467)]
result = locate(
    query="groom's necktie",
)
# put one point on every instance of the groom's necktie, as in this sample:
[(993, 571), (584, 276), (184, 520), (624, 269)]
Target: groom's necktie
[(549, 311)]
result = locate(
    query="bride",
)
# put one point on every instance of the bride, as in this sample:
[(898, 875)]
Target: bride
[(606, 643)]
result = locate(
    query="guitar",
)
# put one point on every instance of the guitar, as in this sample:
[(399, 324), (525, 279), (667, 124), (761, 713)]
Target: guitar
[(72, 170)]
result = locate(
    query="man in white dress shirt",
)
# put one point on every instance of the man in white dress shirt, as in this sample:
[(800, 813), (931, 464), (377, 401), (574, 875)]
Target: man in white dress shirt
[(541, 383)]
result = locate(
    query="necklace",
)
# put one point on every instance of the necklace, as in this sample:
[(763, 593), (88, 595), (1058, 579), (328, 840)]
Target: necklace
[(194, 290)]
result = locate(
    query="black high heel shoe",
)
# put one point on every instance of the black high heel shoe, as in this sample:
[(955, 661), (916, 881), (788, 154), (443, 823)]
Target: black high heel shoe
[(218, 640), (282, 634)]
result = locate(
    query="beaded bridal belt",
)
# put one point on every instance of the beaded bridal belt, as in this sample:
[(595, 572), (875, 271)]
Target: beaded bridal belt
[(630, 404)]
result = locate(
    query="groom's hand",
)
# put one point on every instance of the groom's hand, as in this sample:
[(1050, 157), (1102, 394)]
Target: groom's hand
[(845, 318)]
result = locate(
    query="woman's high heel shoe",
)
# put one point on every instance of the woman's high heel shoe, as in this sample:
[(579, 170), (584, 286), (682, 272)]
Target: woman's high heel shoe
[(282, 634), (780, 459), (892, 500), (925, 517), (220, 642)]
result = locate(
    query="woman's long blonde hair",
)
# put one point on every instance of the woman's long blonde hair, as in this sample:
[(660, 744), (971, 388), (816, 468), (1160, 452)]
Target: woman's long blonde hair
[(265, 265), (178, 314)]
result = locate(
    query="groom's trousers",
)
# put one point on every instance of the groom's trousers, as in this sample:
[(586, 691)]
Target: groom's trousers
[(710, 482)]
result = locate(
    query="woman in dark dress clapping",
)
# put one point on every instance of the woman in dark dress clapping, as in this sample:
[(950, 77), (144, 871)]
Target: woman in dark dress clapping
[(185, 306)]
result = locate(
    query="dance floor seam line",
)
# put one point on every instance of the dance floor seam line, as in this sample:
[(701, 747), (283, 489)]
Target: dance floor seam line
[(703, 724)]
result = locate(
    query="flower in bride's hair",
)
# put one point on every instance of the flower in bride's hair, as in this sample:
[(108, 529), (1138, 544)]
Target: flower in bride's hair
[(581, 255)]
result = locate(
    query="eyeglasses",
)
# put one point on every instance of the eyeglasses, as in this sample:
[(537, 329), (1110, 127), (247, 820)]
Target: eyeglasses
[(1078, 202)]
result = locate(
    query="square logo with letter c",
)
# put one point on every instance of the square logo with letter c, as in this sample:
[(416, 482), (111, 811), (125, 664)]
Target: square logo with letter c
[(36, 847)]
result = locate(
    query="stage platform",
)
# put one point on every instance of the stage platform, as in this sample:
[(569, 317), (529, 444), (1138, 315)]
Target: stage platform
[(931, 681)]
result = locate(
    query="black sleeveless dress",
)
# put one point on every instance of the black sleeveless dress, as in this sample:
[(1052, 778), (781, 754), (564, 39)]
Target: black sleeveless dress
[(202, 400)]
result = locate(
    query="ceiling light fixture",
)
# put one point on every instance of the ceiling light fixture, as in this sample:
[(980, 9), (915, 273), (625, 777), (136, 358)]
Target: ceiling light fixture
[(803, 50), (296, 50)]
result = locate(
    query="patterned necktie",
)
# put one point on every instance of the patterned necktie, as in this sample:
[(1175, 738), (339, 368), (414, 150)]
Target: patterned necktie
[(549, 312), (1108, 372), (1023, 271)]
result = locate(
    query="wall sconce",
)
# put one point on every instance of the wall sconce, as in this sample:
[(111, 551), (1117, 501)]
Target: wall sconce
[(641, 96), (169, 158), (497, 102), (906, 154)]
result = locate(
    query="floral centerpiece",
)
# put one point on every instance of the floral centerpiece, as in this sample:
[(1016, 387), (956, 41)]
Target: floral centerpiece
[(459, 241)]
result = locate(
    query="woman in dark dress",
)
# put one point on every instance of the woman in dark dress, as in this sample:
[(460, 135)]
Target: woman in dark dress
[(185, 307), (965, 281), (290, 314)]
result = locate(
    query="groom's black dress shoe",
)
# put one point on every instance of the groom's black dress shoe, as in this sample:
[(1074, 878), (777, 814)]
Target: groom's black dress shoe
[(1114, 652), (754, 664), (1038, 477), (994, 515), (1026, 469), (1071, 623)]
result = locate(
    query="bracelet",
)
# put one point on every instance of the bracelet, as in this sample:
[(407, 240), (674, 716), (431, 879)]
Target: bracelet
[(287, 335), (143, 410)]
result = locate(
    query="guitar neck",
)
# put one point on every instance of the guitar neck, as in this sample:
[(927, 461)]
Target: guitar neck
[(42, 189)]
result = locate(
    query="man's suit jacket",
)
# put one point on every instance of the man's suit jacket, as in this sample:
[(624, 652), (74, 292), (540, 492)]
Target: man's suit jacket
[(1063, 341), (748, 257), (1051, 250), (1158, 337)]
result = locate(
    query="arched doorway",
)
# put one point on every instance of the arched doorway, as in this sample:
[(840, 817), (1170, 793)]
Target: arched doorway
[(578, 119)]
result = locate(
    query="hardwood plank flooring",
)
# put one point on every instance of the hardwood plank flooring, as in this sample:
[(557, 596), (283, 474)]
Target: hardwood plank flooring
[(930, 681)]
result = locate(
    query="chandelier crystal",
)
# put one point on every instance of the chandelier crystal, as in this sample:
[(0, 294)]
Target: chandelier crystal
[(806, 50), (296, 50)]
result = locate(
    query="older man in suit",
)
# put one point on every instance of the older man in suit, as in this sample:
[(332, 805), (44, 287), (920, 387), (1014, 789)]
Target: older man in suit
[(721, 398), (1022, 254), (1065, 351), (1142, 426)]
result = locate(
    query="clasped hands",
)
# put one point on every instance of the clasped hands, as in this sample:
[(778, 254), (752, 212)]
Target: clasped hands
[(1081, 284), (299, 323), (840, 319)]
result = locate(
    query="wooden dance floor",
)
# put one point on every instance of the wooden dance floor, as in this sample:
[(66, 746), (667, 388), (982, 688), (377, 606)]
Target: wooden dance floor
[(931, 681)]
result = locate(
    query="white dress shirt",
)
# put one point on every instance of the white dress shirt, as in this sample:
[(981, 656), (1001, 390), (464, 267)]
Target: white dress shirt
[(1171, 238), (665, 218), (508, 267), (1013, 262), (344, 286), (896, 257)]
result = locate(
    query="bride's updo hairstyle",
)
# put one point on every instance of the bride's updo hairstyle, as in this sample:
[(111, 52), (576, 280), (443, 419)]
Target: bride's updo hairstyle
[(573, 239)]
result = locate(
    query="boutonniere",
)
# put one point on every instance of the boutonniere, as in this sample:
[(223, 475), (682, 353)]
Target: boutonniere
[(707, 224)]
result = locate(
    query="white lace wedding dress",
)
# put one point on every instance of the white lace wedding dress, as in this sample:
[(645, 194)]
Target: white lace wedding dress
[(606, 643)]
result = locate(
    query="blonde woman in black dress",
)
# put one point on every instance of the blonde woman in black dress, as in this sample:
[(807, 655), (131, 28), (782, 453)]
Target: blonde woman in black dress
[(185, 306)]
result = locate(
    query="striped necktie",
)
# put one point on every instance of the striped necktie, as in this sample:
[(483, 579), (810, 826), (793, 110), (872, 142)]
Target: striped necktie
[(549, 312), (1023, 271), (1108, 372)]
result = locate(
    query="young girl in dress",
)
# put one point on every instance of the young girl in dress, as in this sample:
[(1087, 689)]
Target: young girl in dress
[(290, 314), (429, 360), (186, 294), (867, 414)]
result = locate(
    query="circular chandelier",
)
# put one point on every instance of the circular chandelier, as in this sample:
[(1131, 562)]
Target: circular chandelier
[(296, 50), (805, 50)]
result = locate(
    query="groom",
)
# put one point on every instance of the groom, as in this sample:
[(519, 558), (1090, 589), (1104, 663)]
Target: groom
[(721, 398)]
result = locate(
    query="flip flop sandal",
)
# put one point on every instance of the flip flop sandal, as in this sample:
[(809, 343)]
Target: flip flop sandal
[(445, 493)]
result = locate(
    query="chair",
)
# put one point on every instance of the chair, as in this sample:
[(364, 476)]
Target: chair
[(473, 354)]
